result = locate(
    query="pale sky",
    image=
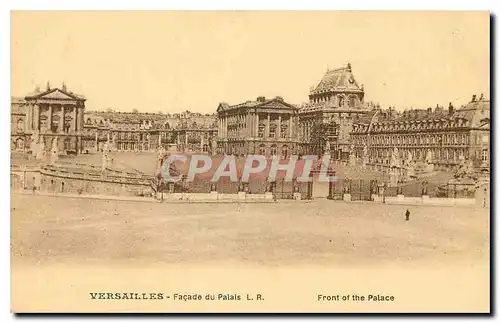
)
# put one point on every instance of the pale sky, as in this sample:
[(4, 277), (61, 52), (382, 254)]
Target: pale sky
[(176, 61)]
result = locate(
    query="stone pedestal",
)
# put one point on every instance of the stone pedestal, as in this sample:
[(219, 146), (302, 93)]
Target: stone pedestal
[(214, 195), (268, 196), (242, 195), (352, 160), (347, 197), (297, 196), (425, 199), (400, 198), (393, 178)]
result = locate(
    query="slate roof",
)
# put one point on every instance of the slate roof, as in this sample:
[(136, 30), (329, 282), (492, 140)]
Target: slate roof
[(340, 79)]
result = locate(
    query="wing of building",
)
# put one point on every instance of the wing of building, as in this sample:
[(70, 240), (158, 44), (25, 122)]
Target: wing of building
[(443, 137)]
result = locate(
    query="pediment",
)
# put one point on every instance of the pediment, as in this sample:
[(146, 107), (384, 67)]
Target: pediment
[(222, 107), (57, 95), (277, 104)]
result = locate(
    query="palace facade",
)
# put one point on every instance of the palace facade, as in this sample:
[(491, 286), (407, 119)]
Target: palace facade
[(264, 126), (53, 114), (327, 119), (336, 119), (443, 137)]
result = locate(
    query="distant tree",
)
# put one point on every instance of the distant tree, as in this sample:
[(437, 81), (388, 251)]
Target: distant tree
[(135, 111), (110, 110)]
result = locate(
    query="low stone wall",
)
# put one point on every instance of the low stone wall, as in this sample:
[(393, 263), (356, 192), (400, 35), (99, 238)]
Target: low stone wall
[(60, 180), (215, 196), (425, 200)]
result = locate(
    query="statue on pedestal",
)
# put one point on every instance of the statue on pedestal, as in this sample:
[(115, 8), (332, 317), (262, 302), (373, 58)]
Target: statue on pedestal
[(365, 156), (40, 154), (429, 166), (465, 169), (327, 147), (54, 152), (352, 155), (410, 166), (214, 147), (34, 147), (105, 156), (395, 169), (395, 162), (159, 156)]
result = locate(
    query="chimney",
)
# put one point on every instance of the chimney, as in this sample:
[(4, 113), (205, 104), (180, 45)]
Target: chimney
[(429, 111), (450, 109), (261, 99), (349, 67), (482, 97), (474, 98)]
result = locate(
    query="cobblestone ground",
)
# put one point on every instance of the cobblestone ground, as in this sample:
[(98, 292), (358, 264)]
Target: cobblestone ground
[(66, 230)]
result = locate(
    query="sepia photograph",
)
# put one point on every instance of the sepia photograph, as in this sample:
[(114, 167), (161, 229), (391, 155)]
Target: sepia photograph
[(250, 162)]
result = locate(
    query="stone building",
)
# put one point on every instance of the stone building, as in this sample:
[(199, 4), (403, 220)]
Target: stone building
[(134, 131), (441, 137), (264, 126), (53, 114), (326, 120)]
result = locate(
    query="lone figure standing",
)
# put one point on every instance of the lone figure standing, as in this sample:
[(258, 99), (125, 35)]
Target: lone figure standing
[(407, 215)]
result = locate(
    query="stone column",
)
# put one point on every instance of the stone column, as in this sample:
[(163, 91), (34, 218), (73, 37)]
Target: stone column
[(36, 119), (219, 128), (223, 126), (256, 124), (49, 120), (226, 130), (186, 141), (61, 121), (246, 132), (278, 128), (27, 120), (290, 125), (268, 122), (202, 139), (75, 118)]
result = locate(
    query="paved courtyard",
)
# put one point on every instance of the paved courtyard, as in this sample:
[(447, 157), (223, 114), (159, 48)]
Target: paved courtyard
[(48, 229)]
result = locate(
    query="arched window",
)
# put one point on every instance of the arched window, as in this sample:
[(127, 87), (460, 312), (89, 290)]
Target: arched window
[(20, 125), (341, 101), (19, 144), (351, 101), (274, 150), (284, 151), (262, 149), (67, 144)]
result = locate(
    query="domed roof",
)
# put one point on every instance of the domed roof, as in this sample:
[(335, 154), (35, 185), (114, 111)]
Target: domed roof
[(340, 79)]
